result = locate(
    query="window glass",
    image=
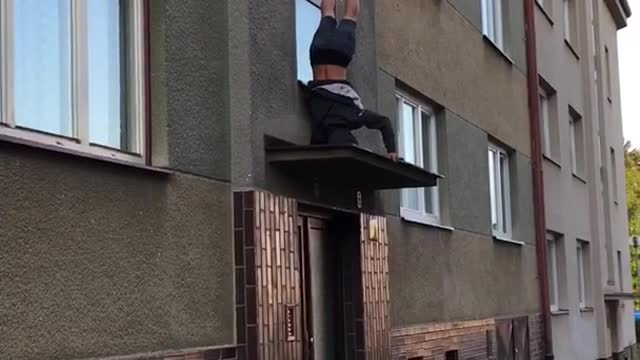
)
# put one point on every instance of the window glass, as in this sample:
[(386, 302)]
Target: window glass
[(42, 65), (307, 20), (552, 270), (581, 275), (107, 125), (492, 189)]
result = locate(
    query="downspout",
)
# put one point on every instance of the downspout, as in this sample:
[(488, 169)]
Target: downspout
[(538, 180)]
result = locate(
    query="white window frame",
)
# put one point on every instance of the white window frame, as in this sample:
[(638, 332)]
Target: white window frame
[(79, 140), (554, 297), (582, 277), (492, 25), (421, 216), (543, 97), (500, 178)]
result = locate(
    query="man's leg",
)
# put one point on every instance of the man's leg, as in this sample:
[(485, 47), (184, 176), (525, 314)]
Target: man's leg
[(351, 10), (328, 8)]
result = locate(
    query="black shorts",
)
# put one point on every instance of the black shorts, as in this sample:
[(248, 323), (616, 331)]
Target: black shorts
[(333, 43)]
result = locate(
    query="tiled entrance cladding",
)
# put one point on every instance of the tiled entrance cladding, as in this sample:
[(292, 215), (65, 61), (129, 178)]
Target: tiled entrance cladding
[(474, 340)]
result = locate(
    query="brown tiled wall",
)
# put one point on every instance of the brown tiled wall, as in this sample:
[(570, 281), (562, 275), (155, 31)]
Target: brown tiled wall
[(474, 340), (375, 285), (267, 277), (244, 242)]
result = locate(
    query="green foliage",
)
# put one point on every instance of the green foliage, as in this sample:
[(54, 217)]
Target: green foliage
[(632, 175)]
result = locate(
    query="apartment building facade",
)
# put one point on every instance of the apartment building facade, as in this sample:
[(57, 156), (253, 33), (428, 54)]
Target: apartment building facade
[(588, 256), (158, 199)]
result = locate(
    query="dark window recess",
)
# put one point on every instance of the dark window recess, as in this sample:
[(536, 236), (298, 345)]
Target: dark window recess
[(490, 352), (417, 358), (451, 355), (291, 332)]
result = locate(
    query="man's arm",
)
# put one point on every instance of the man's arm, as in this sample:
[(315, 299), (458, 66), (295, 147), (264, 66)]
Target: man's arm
[(382, 123), (328, 8)]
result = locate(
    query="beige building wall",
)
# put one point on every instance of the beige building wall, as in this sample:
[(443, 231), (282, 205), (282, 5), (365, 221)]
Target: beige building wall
[(586, 206)]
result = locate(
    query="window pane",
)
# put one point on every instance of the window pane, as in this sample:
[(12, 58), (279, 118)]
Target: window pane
[(307, 20), (504, 178), (412, 199), (408, 133), (43, 65), (551, 270), (428, 141), (581, 291), (107, 125), (492, 190)]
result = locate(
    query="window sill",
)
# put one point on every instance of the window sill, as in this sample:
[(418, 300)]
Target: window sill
[(7, 139), (579, 178), (423, 221), (572, 49), (498, 49), (552, 160), (545, 13), (508, 241), (586, 309), (559, 312)]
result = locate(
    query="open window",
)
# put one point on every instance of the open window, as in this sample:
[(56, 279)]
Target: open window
[(307, 19), (418, 146), (500, 192)]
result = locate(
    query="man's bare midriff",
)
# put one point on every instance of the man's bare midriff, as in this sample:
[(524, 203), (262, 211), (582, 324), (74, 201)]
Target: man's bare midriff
[(329, 72)]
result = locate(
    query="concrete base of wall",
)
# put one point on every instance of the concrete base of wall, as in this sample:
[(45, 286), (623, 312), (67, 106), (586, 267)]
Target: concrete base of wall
[(475, 339), (218, 353)]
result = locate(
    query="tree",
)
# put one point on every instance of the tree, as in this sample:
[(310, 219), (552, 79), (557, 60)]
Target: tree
[(632, 176)]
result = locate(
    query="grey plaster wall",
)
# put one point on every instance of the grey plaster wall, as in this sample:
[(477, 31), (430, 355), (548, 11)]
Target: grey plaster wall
[(468, 176), (522, 198), (471, 10), (444, 57), (99, 259), (439, 276), (189, 81)]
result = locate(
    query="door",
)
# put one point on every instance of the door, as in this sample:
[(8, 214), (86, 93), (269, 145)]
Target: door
[(322, 286), (612, 324)]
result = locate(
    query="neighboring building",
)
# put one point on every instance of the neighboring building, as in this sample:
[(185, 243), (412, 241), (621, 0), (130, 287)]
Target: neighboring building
[(156, 202), (588, 256)]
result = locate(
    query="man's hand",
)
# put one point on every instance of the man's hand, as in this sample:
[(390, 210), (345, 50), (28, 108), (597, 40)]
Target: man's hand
[(393, 156)]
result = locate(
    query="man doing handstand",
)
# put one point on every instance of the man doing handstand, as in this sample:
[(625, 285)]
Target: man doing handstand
[(336, 108)]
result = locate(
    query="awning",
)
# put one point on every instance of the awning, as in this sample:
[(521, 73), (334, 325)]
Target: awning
[(347, 167)]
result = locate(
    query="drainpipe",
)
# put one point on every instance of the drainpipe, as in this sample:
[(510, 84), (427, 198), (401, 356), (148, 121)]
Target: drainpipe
[(538, 180)]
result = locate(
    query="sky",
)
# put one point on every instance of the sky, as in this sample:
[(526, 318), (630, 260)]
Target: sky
[(42, 65), (629, 57)]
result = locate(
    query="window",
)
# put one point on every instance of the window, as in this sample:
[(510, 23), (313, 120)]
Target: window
[(499, 189), (576, 142), (72, 74), (552, 271), (544, 121), (582, 259), (608, 71), (620, 276), (451, 355), (614, 175), (570, 22), (307, 20), (548, 120), (418, 146), (494, 26)]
